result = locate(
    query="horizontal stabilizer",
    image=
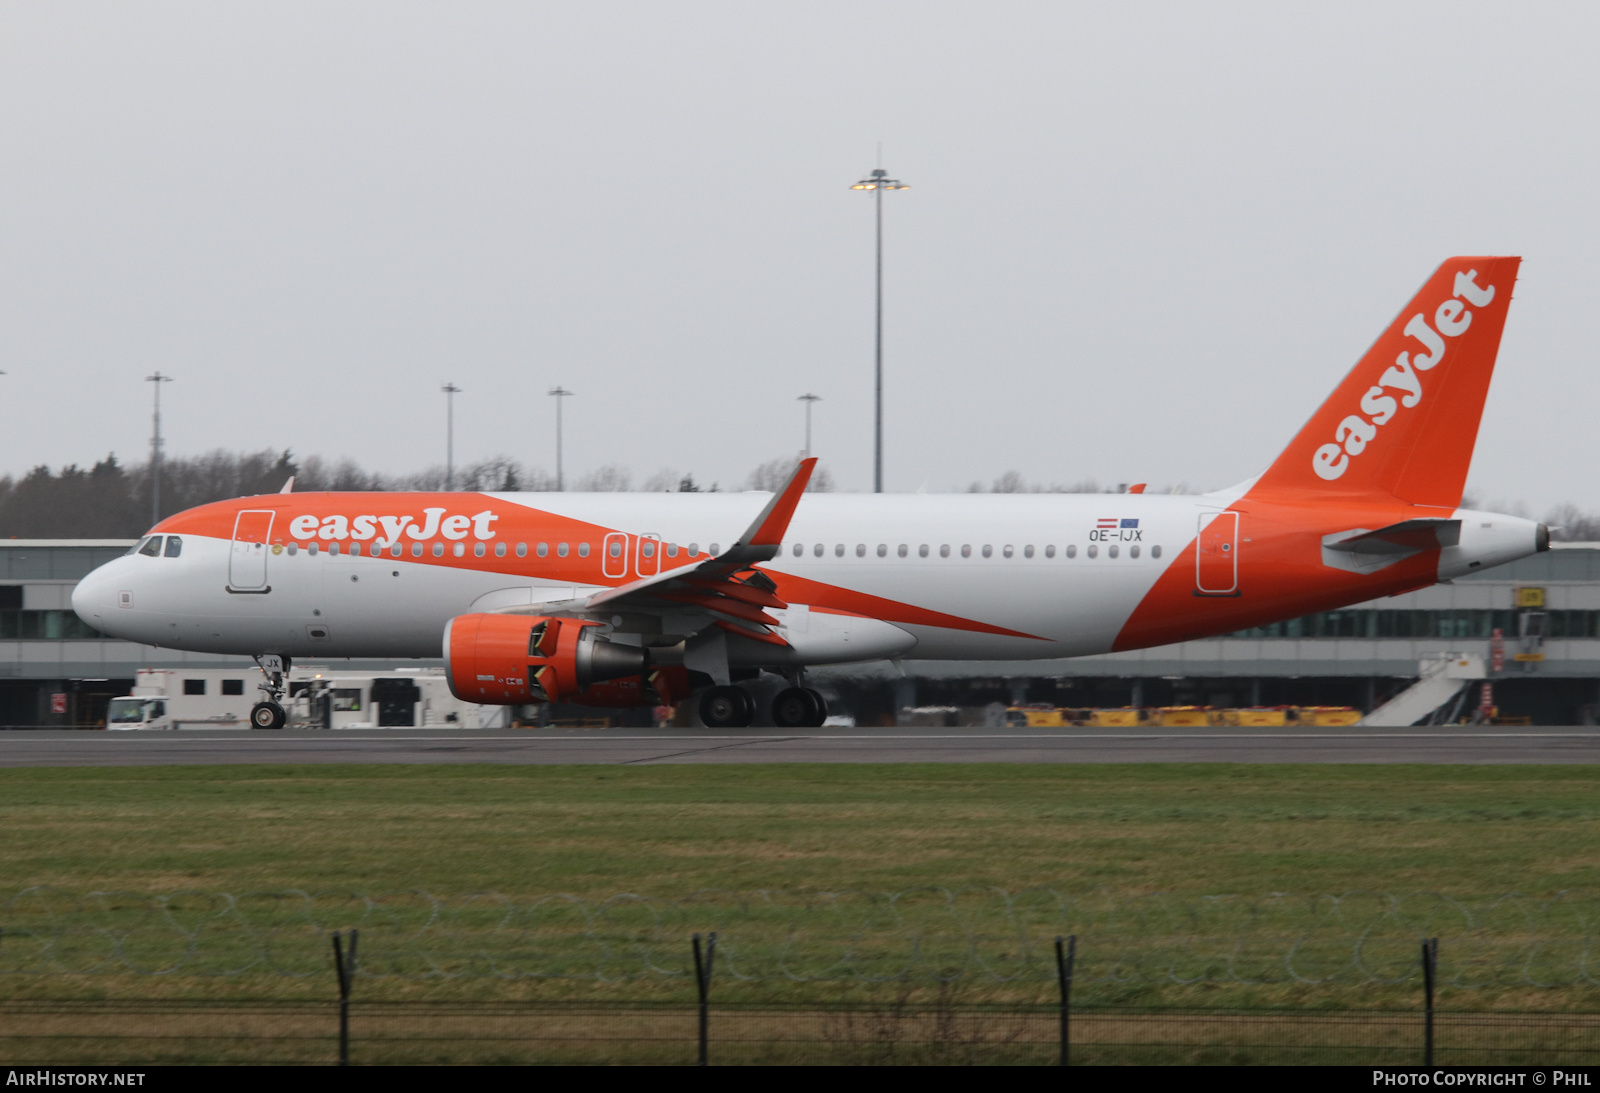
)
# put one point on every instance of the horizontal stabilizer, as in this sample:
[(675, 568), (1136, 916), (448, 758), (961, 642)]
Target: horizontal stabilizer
[(1406, 537)]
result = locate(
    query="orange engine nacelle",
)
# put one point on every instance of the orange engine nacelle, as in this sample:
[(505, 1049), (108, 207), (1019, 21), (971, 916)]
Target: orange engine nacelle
[(507, 660)]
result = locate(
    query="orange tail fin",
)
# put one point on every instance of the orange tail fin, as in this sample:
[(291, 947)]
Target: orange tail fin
[(1405, 420)]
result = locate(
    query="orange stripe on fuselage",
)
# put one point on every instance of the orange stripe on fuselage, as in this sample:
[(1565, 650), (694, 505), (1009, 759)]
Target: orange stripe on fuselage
[(514, 523), (1281, 572), (827, 597)]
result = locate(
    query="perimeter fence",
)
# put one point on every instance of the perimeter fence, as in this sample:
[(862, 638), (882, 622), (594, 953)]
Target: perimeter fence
[(924, 975)]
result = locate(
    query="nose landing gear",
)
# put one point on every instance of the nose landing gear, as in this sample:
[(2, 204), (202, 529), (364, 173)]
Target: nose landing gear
[(269, 713)]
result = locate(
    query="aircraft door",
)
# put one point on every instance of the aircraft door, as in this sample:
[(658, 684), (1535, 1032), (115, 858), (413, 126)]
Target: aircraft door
[(647, 561), (247, 561), (1217, 554), (614, 555)]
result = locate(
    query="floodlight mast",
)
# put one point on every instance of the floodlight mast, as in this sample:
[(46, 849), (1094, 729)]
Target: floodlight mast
[(155, 451), (808, 400), (878, 182), (559, 393), (450, 392)]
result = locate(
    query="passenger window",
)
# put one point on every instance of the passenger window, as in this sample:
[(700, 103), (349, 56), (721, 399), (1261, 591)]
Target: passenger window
[(499, 550), (174, 546), (438, 550), (861, 550), (922, 551), (311, 548), (294, 548), (522, 550), (460, 549), (562, 550), (416, 549), (1155, 552), (715, 550), (479, 550), (1049, 552), (838, 550), (543, 550), (799, 549), (672, 550), (966, 550), (1093, 550), (883, 550), (615, 549), (583, 550), (818, 549), (988, 551), (648, 549), (694, 548), (396, 550), (944, 551), (151, 547), (1072, 551), (902, 550), (1027, 551), (1114, 550), (1008, 550), (333, 548), (1133, 551)]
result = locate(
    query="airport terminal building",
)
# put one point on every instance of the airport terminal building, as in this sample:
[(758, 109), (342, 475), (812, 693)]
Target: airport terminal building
[(56, 672)]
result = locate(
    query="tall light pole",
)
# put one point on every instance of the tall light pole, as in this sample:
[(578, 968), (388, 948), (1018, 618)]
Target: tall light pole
[(878, 182), (559, 393), (808, 400), (155, 451), (450, 392)]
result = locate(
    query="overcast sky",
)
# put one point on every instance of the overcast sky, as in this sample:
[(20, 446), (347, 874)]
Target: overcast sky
[(1142, 244)]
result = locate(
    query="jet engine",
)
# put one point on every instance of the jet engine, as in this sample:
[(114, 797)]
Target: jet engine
[(508, 660)]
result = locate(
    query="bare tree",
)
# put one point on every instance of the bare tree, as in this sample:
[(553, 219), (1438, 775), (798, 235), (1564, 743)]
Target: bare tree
[(772, 475), (608, 479), (1569, 524)]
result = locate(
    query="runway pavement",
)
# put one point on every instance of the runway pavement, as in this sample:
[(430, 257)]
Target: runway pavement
[(830, 745)]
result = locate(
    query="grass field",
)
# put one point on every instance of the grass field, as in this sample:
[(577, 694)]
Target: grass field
[(1110, 840)]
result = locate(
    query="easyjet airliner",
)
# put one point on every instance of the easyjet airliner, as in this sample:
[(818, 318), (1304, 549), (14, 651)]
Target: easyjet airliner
[(633, 599)]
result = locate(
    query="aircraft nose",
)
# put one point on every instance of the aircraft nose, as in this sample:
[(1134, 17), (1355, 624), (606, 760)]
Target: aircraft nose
[(94, 597)]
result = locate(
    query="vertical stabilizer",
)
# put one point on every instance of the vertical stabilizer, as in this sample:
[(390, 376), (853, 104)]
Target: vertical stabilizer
[(1405, 420)]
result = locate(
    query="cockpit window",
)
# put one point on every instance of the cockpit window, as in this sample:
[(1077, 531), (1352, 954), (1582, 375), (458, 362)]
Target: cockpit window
[(174, 546), (151, 547)]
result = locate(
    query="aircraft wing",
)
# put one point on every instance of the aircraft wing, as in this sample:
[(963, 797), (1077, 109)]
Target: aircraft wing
[(727, 587)]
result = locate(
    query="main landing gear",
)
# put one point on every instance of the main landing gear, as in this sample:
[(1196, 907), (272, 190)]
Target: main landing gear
[(798, 707), (269, 713), (726, 707), (730, 707)]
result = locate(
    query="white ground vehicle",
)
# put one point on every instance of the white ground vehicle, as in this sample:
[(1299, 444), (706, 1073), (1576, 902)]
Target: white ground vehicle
[(317, 698)]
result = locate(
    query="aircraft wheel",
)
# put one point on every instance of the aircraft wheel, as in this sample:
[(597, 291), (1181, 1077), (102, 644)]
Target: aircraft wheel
[(819, 709), (726, 708), (793, 708), (267, 715)]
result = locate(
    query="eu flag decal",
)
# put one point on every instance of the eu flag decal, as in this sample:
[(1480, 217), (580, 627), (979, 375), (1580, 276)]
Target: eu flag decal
[(1130, 523)]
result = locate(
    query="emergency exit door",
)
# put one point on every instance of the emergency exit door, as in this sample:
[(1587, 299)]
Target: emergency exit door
[(247, 562), (1216, 558)]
